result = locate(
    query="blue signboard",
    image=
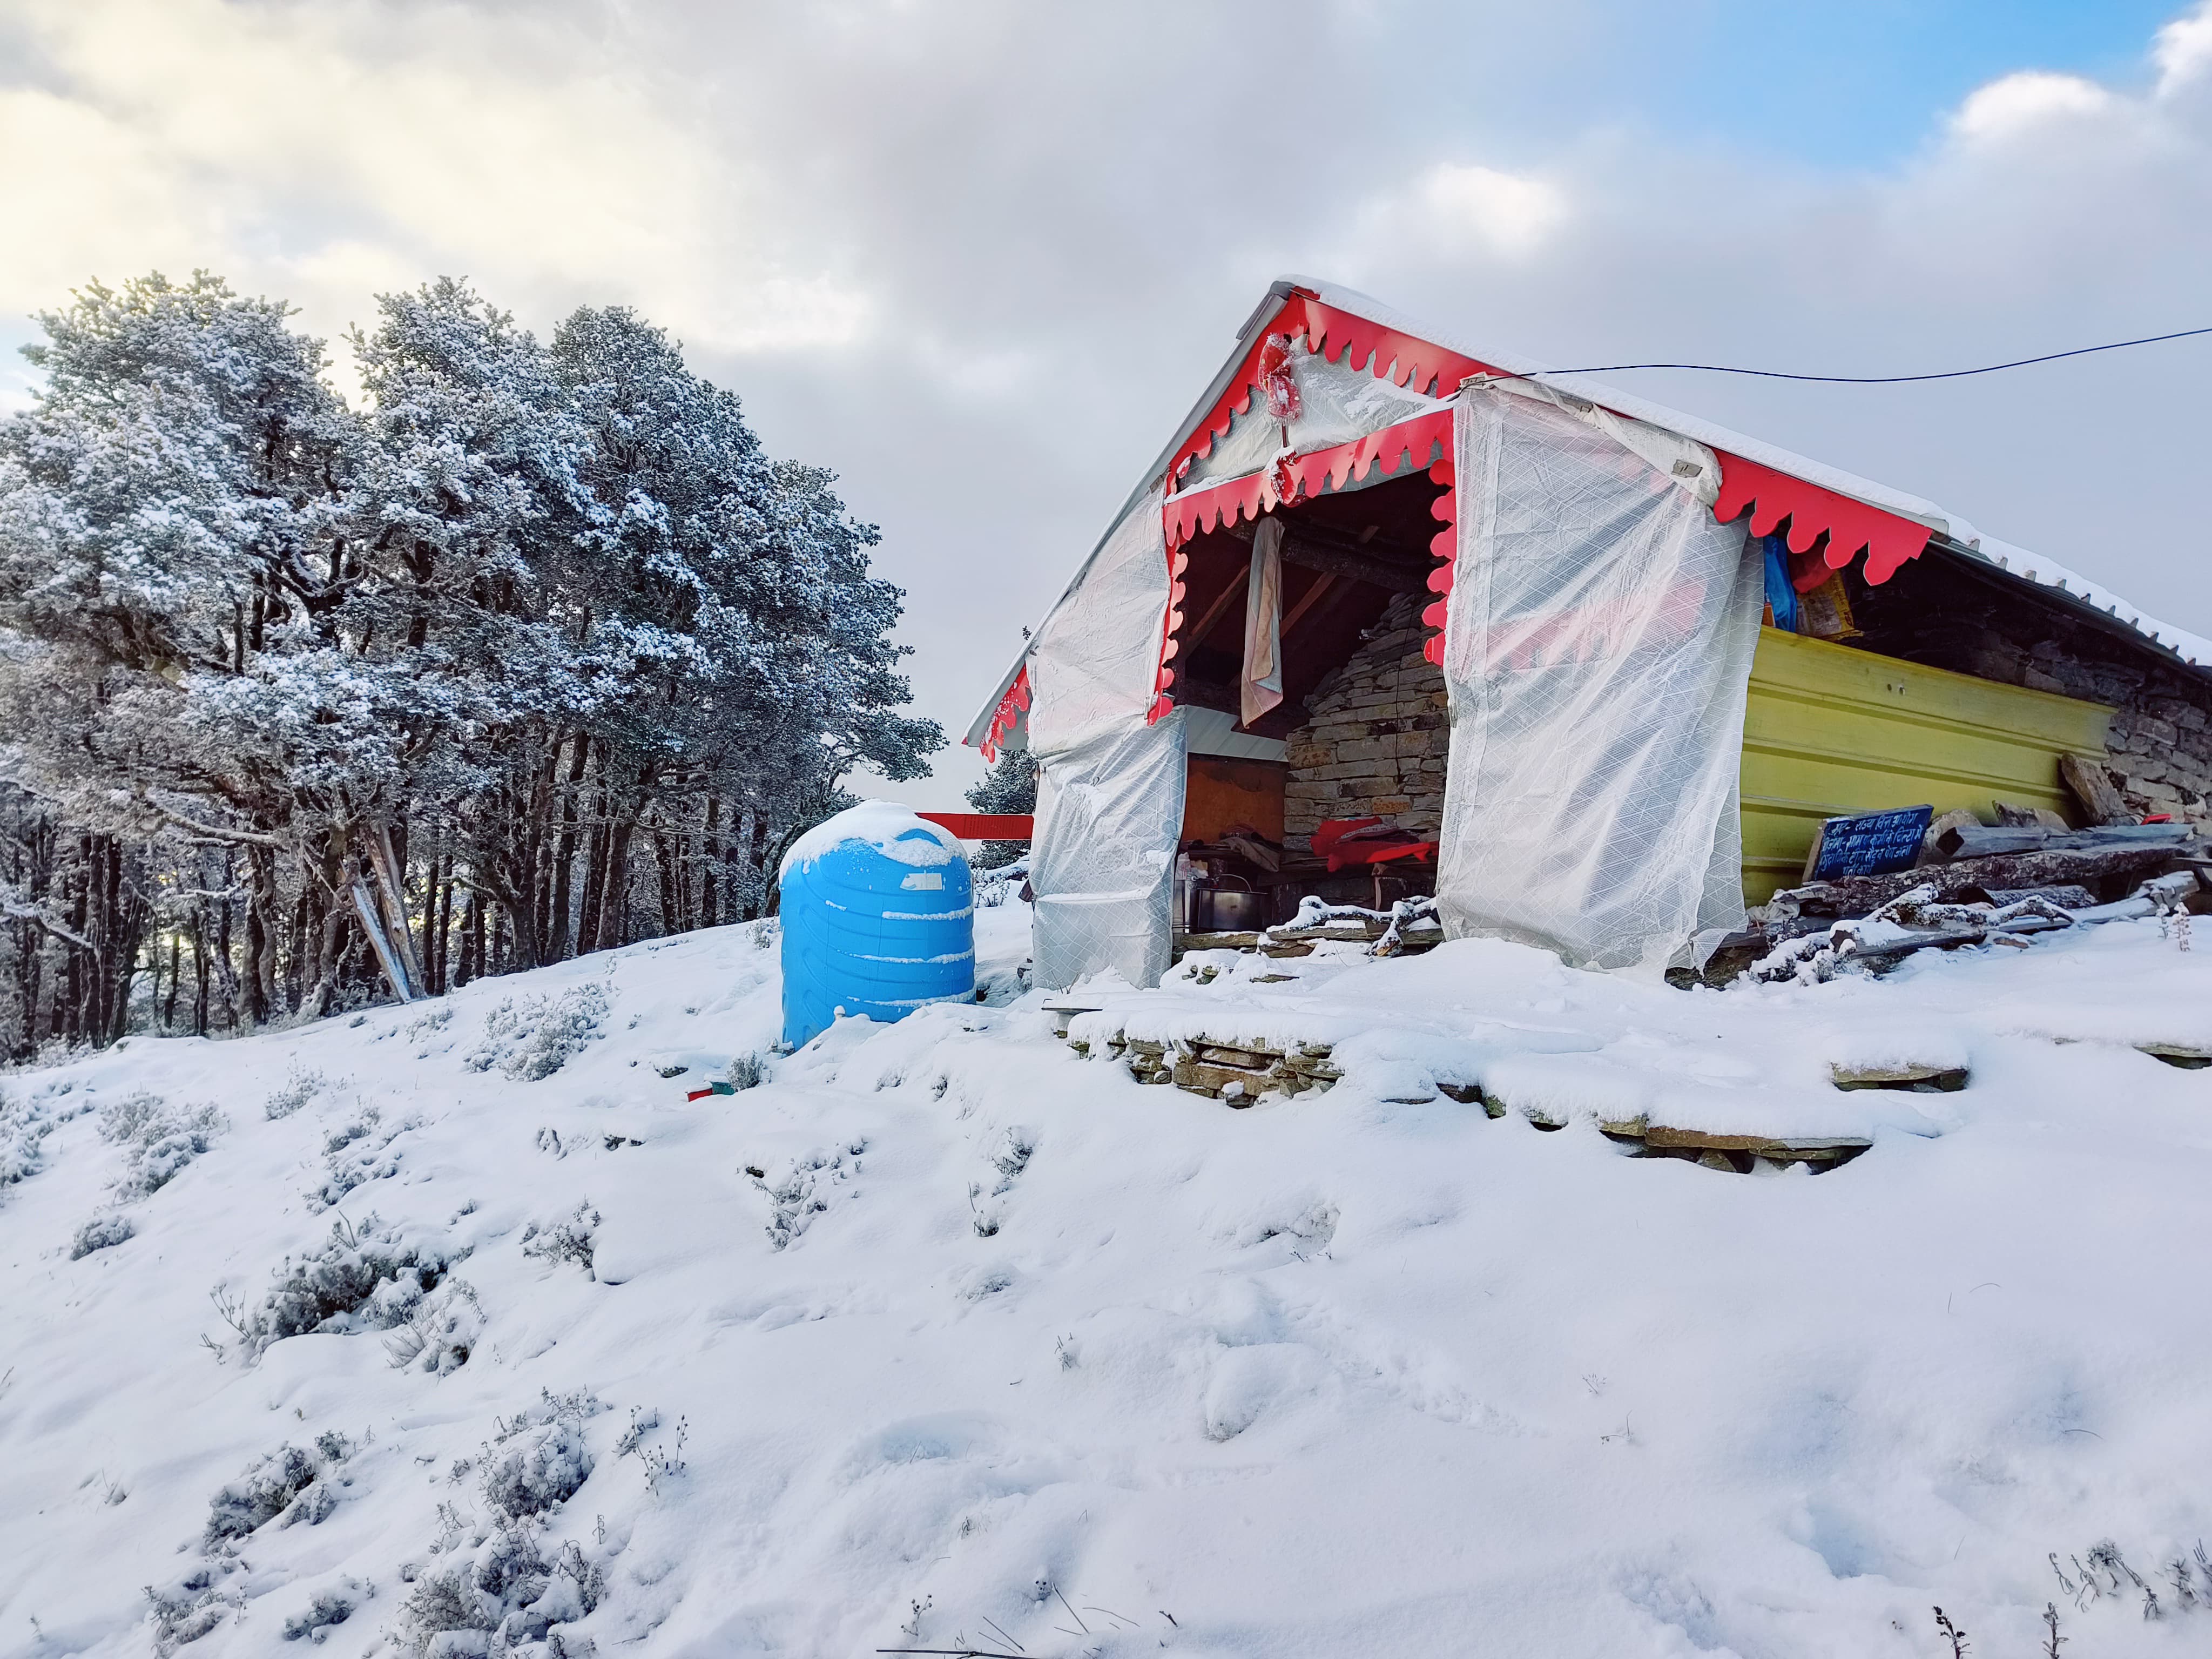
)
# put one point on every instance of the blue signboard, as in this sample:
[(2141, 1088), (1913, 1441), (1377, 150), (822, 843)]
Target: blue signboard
[(1870, 844)]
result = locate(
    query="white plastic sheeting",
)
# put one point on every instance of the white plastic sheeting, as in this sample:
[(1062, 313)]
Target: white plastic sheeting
[(1597, 649), (1109, 786), (1109, 814), (1339, 404)]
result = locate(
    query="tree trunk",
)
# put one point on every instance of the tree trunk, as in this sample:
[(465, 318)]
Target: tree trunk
[(671, 906), (199, 970), (565, 855), (439, 977), (260, 935), (614, 901), (710, 905), (395, 947), (381, 941)]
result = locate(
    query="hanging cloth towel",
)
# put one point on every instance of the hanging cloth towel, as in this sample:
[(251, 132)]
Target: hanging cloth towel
[(1263, 622)]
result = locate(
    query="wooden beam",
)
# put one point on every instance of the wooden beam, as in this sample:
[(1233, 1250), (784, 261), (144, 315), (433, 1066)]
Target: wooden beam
[(1320, 547), (1335, 556), (1194, 638), (1323, 583)]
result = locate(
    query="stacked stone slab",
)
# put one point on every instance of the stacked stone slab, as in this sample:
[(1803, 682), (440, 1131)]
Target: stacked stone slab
[(1375, 735)]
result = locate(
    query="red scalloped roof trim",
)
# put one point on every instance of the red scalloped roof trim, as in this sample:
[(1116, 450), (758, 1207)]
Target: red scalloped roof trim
[(1445, 545), (1011, 709), (1813, 512), (1408, 443), (1406, 360)]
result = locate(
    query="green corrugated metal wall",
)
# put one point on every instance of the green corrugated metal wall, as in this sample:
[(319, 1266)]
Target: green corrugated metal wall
[(1829, 731)]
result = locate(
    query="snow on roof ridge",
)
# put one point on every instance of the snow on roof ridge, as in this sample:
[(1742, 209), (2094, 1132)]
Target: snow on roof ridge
[(2014, 560)]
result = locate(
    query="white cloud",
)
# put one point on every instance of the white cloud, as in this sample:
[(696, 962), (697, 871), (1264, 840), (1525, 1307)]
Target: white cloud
[(1506, 212), (2029, 98), (344, 144), (2183, 51)]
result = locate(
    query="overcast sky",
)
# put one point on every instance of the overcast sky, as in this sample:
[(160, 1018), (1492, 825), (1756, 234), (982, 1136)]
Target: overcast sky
[(981, 258)]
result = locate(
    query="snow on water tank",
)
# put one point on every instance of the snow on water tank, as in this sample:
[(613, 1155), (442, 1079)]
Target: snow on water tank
[(878, 919)]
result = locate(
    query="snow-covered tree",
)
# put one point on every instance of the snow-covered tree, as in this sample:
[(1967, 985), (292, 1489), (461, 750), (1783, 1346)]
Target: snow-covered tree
[(1011, 786), (537, 635)]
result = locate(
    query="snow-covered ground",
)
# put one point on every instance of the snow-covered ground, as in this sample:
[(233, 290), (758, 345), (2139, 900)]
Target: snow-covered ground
[(1000, 1349)]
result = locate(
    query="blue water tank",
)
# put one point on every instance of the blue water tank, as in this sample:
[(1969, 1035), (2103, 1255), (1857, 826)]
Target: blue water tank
[(878, 919)]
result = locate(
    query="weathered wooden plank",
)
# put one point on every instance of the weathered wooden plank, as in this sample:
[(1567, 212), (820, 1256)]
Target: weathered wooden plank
[(1985, 842), (1973, 879)]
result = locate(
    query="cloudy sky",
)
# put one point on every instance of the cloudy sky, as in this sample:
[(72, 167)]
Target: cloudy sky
[(979, 258)]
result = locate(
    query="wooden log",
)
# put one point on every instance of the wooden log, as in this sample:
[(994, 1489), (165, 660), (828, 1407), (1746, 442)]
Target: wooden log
[(2091, 786), (1303, 549), (1990, 842), (1973, 879), (2072, 897)]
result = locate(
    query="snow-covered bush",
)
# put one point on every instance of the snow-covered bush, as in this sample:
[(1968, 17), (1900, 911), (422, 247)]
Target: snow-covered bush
[(23, 1127), (184, 1612), (288, 1482), (536, 1469), (102, 1232), (441, 1333), (993, 887), (353, 1156), (530, 1040), (300, 1086), (366, 1279), (565, 1241), (662, 1463), (509, 1592), (159, 1141), (332, 1605), (797, 1197)]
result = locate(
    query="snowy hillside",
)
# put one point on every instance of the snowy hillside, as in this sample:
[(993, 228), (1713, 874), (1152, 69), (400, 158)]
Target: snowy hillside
[(460, 1319)]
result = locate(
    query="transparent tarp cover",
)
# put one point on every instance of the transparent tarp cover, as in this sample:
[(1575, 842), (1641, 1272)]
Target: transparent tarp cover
[(1598, 644), (1109, 786)]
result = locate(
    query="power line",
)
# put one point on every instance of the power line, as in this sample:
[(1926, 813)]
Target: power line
[(1874, 379)]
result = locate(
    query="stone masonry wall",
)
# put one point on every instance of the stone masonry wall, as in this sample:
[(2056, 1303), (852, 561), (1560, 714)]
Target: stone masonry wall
[(2159, 746), (1376, 734)]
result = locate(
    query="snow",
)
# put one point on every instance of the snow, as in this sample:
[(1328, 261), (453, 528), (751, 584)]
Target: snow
[(884, 825), (999, 1333)]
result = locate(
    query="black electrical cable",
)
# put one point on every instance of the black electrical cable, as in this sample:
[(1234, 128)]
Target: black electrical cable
[(1872, 379)]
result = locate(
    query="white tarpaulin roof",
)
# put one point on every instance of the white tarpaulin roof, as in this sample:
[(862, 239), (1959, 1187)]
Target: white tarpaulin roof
[(1960, 535)]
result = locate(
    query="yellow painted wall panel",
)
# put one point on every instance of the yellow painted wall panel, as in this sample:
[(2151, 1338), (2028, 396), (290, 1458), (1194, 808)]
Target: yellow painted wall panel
[(1829, 731)]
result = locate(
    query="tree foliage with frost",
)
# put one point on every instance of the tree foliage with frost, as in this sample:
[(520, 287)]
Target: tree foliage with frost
[(1011, 786), (536, 651)]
